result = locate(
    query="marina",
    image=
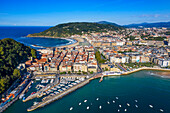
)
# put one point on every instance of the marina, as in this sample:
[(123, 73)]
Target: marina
[(121, 104), (62, 92)]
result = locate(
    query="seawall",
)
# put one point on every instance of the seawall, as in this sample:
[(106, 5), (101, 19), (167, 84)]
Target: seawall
[(58, 96)]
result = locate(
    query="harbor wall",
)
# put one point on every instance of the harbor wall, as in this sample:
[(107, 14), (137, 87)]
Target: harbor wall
[(58, 96)]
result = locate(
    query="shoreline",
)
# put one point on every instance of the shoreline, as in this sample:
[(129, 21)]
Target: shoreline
[(88, 81), (64, 45), (141, 69)]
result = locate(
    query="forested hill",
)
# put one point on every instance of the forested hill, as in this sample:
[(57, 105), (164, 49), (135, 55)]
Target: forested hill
[(68, 29), (12, 53)]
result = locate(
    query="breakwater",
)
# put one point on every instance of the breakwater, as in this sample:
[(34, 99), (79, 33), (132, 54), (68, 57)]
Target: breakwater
[(26, 88), (58, 96)]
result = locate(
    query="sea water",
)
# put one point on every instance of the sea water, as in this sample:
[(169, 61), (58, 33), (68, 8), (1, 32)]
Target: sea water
[(138, 89)]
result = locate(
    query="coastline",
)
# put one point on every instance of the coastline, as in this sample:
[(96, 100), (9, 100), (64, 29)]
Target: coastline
[(66, 38), (100, 75), (136, 70)]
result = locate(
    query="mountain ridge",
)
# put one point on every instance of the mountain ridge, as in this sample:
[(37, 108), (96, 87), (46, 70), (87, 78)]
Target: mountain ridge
[(145, 24)]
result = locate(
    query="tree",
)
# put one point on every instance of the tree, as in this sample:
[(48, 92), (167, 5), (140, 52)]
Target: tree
[(17, 73), (33, 53), (69, 72), (106, 69), (91, 72)]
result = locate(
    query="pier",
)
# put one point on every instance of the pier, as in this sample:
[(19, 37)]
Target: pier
[(58, 96), (39, 92), (101, 79), (26, 88)]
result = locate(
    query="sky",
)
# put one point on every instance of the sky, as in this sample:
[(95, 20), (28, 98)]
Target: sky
[(53, 12)]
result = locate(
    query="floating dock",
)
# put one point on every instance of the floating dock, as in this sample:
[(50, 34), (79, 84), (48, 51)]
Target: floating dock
[(58, 96)]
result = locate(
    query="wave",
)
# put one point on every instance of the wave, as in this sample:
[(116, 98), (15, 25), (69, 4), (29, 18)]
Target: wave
[(37, 46), (71, 41), (158, 75)]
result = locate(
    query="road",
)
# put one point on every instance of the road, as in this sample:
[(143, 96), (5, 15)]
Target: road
[(95, 50), (119, 66)]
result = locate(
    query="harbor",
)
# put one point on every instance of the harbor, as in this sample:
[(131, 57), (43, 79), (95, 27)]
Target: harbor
[(65, 92), (58, 87), (57, 96), (112, 101)]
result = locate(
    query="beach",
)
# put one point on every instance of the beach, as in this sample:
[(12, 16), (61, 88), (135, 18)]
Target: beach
[(162, 74), (77, 39)]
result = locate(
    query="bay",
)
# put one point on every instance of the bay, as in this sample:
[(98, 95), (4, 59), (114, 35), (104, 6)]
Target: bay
[(19, 34)]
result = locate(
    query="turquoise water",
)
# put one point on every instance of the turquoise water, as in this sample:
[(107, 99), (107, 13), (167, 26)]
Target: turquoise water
[(141, 86)]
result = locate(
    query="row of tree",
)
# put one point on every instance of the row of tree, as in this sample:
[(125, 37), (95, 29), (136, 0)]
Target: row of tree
[(98, 58)]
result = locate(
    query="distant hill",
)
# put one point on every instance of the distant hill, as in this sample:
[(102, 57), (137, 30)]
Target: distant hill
[(158, 24), (68, 29), (110, 23)]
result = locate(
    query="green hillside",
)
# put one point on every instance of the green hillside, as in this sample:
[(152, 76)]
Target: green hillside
[(68, 29), (12, 53)]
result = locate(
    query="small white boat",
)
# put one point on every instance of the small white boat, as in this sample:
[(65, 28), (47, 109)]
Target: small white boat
[(117, 98), (21, 96), (100, 107), (85, 100), (91, 103), (128, 104), (118, 110), (35, 103), (108, 102), (120, 106), (71, 108), (136, 100), (113, 101), (125, 110), (161, 110), (88, 107), (150, 106), (97, 98), (79, 104), (136, 106)]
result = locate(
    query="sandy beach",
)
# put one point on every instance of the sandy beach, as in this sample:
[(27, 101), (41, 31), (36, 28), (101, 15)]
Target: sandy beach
[(162, 73), (78, 39)]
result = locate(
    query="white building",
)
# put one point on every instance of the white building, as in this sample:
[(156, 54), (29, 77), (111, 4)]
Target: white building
[(164, 62)]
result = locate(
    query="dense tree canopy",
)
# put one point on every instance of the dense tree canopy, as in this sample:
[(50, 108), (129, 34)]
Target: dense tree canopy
[(12, 53), (68, 29)]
